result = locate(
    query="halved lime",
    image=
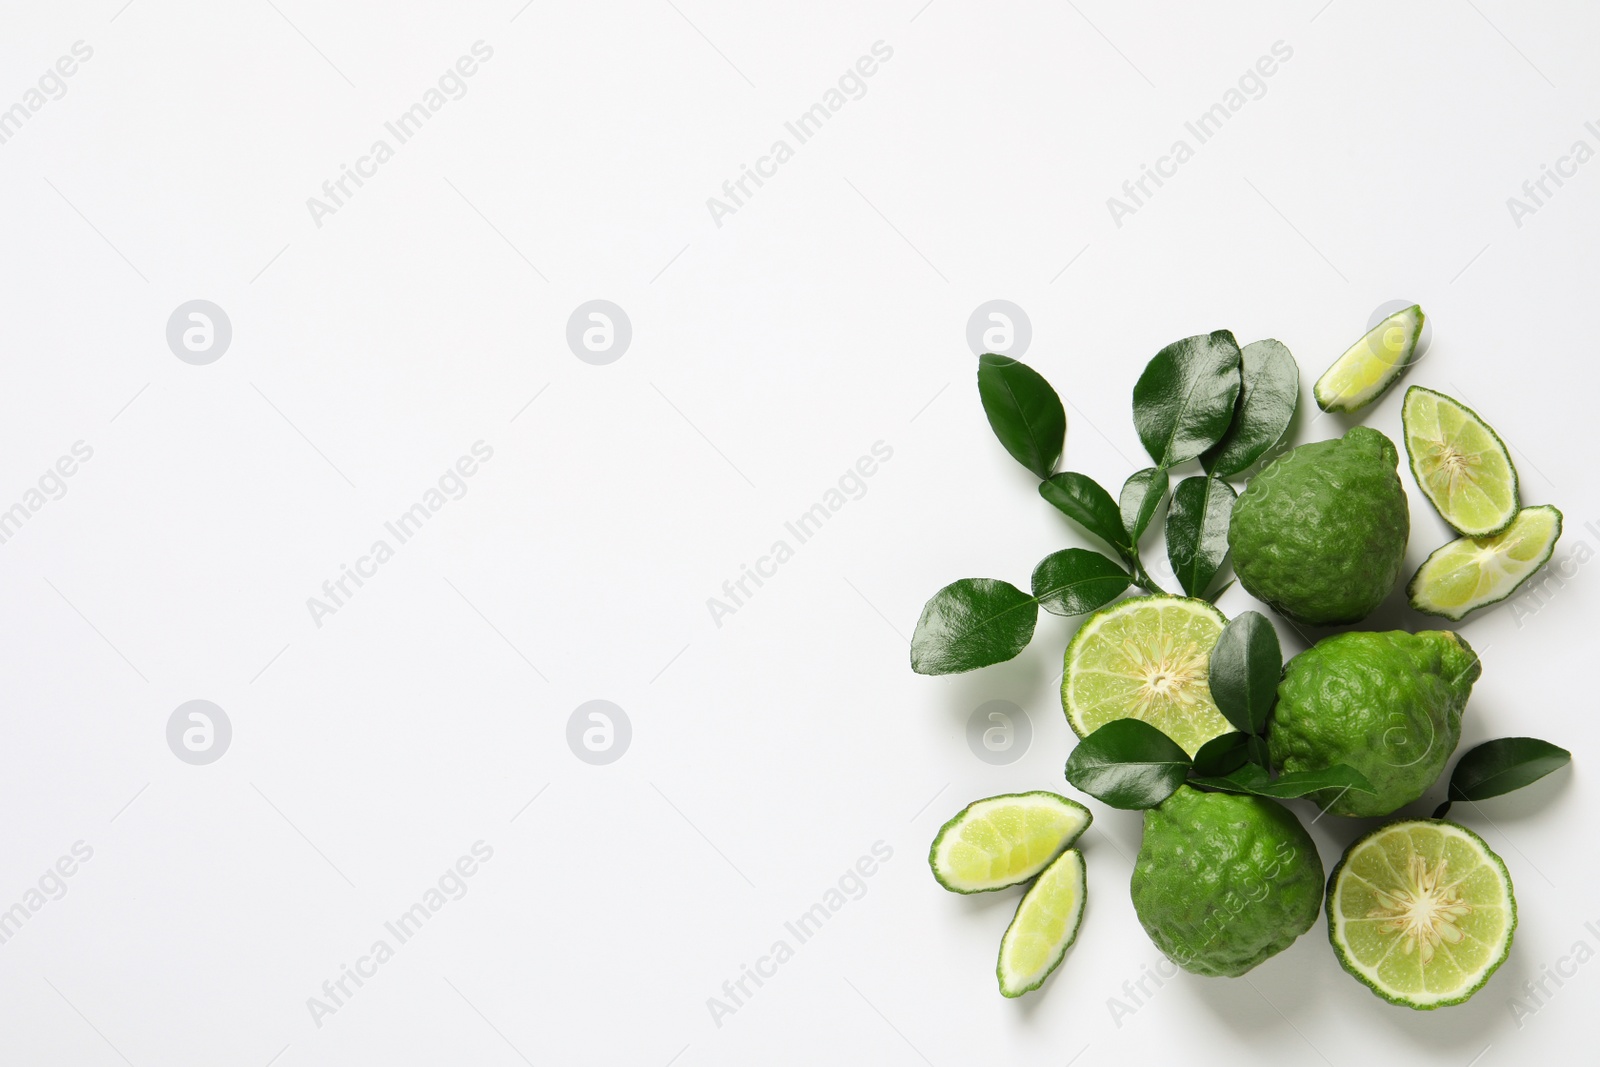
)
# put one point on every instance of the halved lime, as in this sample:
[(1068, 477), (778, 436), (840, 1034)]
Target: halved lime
[(1422, 912), (1371, 365), (1146, 658), (1460, 464), (1044, 927), (1474, 572), (1003, 840)]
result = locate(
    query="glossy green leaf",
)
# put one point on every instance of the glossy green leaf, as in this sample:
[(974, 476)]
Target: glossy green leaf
[(1268, 396), (1076, 581), (1083, 500), (1141, 495), (1128, 764), (1258, 753), (970, 624), (1197, 531), (1507, 763), (1025, 413), (1253, 780), (1246, 664), (1221, 755), (1183, 402)]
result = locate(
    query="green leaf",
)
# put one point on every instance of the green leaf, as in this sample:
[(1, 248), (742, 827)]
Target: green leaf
[(1267, 400), (1197, 530), (1128, 764), (1252, 780), (1024, 412), (1507, 763), (970, 624), (1246, 664), (1083, 500), (1076, 581), (1141, 495), (1221, 755), (1258, 753), (1183, 402)]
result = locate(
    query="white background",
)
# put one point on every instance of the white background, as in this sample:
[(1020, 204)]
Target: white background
[(768, 354)]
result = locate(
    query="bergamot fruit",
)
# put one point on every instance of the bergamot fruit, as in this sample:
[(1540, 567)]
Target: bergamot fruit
[(1045, 926), (1460, 463), (1001, 841), (1320, 533), (1222, 882), (1146, 658), (1473, 572), (1422, 912), (1387, 704), (1371, 365)]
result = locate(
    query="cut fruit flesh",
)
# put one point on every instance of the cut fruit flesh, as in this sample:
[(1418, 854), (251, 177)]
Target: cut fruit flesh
[(1460, 464), (1371, 365), (1045, 926), (1003, 840), (1422, 912), (1146, 658), (1470, 573)]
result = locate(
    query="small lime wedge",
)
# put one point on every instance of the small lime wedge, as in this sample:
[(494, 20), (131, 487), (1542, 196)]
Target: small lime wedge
[(1003, 840), (1371, 365), (1460, 464), (1421, 912), (1146, 658), (1044, 927), (1473, 572)]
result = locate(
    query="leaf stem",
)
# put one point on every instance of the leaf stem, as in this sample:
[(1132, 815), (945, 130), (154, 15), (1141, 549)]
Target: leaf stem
[(1143, 580)]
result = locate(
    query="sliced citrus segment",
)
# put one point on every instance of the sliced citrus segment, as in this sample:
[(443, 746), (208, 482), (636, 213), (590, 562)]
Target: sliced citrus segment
[(1473, 572), (1371, 365), (1422, 912), (1003, 840), (1460, 464), (1045, 926), (1146, 658)]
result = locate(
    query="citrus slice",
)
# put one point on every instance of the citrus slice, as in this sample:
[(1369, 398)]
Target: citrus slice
[(1146, 658), (1422, 912), (1371, 365), (1003, 840), (1473, 572), (1044, 927), (1460, 464)]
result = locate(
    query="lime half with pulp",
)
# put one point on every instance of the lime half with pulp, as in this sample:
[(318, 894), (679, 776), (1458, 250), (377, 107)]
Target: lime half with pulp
[(1371, 365), (1003, 840), (1045, 926), (1460, 464), (1146, 658), (1422, 912), (1473, 572)]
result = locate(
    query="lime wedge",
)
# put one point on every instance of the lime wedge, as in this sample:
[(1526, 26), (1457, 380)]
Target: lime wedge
[(1146, 658), (1045, 926), (1473, 572), (1004, 840), (1371, 365), (1460, 464), (1422, 912)]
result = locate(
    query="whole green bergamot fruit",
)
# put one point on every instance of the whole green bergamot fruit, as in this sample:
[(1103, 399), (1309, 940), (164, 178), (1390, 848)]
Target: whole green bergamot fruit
[(1320, 533), (1387, 704), (1222, 881)]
